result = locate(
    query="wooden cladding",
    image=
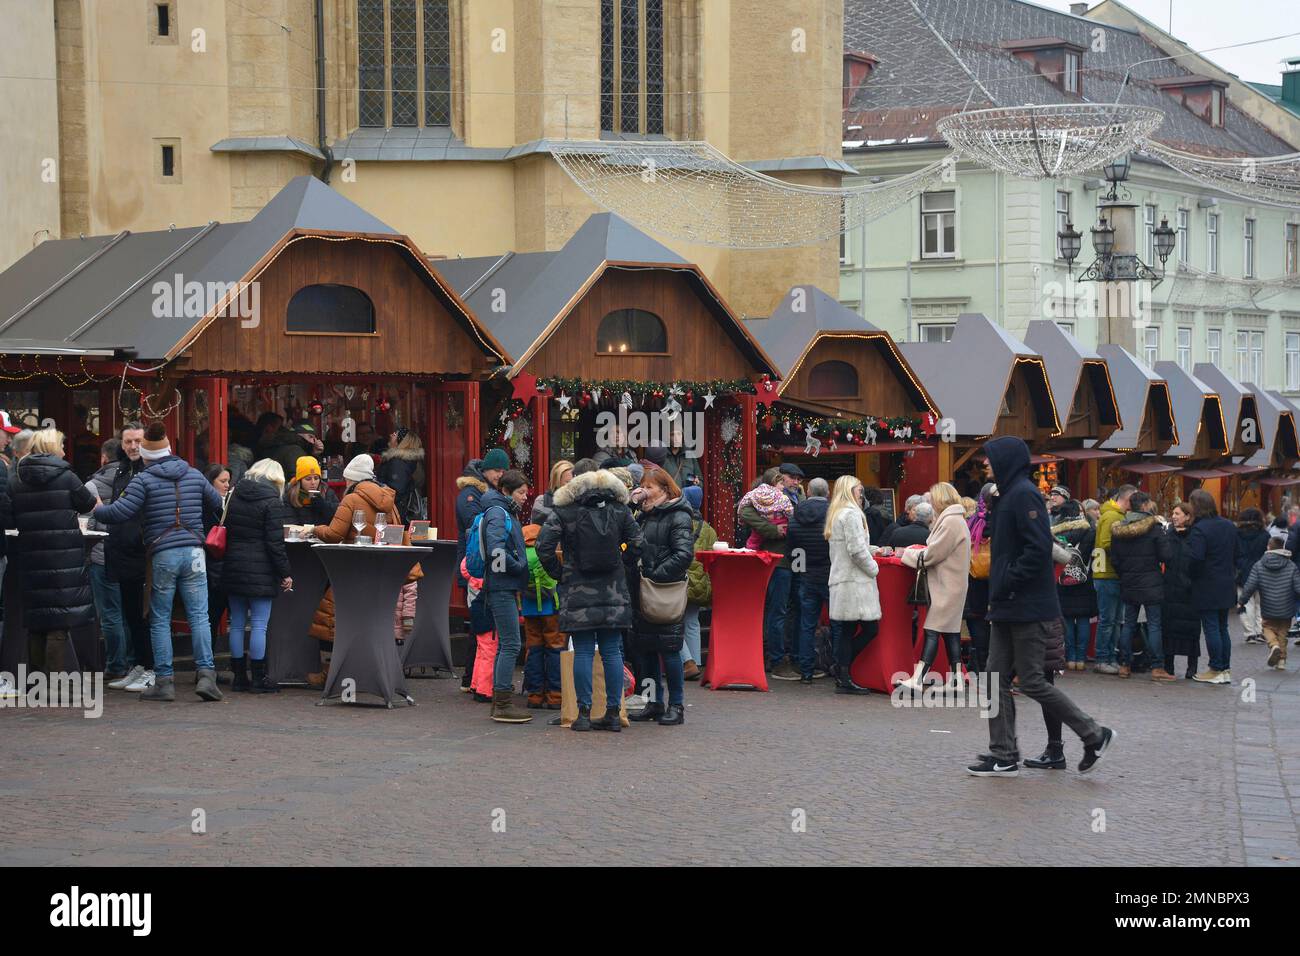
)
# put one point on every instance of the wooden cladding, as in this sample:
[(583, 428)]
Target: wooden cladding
[(415, 331), (699, 347), (883, 386)]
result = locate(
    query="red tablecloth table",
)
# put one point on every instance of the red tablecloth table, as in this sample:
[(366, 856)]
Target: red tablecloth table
[(892, 652), (736, 639)]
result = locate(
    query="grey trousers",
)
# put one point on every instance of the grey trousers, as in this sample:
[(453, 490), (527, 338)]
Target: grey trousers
[(1019, 648)]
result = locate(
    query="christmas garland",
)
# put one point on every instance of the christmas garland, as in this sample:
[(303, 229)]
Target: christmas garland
[(796, 425), (733, 468), (689, 394)]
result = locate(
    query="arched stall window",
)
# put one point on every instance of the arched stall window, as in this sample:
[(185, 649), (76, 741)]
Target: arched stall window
[(833, 379), (338, 309), (631, 331)]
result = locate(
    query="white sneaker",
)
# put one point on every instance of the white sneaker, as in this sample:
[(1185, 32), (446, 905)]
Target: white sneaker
[(131, 677), (138, 685), (1225, 677), (7, 690)]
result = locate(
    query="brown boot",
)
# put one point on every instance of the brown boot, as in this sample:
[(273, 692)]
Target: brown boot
[(505, 712), (1160, 674), (691, 670), (1124, 670)]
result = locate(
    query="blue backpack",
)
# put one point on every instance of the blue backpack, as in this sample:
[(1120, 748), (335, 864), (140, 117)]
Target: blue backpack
[(476, 547)]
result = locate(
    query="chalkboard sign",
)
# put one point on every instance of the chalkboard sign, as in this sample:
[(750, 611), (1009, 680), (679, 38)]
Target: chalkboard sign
[(889, 506)]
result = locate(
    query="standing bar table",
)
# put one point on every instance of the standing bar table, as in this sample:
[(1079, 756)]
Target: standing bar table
[(291, 652), (83, 644), (736, 640), (366, 579), (429, 644), (893, 650)]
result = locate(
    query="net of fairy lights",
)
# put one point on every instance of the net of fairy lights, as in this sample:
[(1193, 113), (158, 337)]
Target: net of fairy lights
[(1269, 179), (690, 191), (1045, 142)]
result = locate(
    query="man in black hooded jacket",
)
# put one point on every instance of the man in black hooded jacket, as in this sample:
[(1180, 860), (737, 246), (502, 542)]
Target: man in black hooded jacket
[(1025, 614)]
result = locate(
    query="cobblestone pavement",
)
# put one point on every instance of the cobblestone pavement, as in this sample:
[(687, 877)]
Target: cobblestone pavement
[(1201, 776)]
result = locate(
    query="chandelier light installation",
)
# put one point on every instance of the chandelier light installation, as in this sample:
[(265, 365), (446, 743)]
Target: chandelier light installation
[(1270, 179)]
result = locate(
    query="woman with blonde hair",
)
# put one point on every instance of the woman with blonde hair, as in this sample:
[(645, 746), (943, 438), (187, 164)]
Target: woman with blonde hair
[(255, 569), (854, 598), (946, 557), (561, 475)]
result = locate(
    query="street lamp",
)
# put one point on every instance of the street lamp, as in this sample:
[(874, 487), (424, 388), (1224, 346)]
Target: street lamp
[(1103, 238), (1165, 240), (1071, 240)]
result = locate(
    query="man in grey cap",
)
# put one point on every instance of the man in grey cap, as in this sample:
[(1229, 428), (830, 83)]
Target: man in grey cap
[(792, 482)]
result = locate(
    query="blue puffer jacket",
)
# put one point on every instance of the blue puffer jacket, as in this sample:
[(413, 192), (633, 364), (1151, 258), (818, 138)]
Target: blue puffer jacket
[(155, 492), (498, 541)]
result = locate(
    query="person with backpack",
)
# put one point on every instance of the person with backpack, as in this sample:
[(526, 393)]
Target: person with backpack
[(699, 587), (479, 476), (1139, 548), (173, 497), (402, 469), (1074, 588), (1275, 580), (591, 528), (542, 636), (1253, 541)]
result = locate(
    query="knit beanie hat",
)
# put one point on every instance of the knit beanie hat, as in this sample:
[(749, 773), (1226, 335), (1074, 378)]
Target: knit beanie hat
[(306, 465), (623, 475), (155, 444), (496, 458), (637, 470), (360, 468)]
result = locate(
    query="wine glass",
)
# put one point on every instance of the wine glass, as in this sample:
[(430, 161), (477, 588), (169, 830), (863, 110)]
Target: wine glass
[(359, 520), (381, 522)]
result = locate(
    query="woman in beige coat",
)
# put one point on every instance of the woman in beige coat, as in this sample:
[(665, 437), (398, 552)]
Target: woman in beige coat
[(947, 563)]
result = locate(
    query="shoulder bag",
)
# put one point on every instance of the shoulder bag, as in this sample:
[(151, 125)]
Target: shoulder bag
[(215, 543), (920, 593)]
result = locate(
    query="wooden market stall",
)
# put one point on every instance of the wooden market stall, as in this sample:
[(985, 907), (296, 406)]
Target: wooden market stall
[(1241, 418), (1149, 429), (1202, 432), (1281, 450), (849, 402), (615, 328), (1085, 395), (988, 384)]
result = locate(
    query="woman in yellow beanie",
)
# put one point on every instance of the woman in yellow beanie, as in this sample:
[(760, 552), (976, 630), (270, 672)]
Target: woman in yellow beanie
[(308, 498)]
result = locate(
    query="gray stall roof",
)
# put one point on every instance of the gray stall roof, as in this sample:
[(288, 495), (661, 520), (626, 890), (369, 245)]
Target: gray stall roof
[(968, 377), (1067, 360), (1135, 384), (1237, 400), (1277, 427), (521, 297), (1196, 405)]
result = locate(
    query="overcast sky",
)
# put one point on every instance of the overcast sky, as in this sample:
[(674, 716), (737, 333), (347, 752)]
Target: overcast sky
[(1203, 24)]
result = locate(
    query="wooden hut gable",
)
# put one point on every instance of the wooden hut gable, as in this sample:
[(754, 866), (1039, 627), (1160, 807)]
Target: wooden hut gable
[(1144, 403), (1080, 381)]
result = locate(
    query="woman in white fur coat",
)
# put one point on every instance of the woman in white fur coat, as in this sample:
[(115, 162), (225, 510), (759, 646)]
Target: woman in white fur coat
[(947, 562), (854, 598)]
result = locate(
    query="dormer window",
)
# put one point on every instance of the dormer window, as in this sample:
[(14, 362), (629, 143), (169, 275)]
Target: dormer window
[(1199, 94), (1058, 61)]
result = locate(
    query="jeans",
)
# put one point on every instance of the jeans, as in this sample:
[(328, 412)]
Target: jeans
[(1019, 648), (691, 645), (778, 597), (814, 595), (793, 606), (1077, 631), (661, 670), (108, 602), (1154, 642), (1108, 618), (180, 570), (258, 611), (1217, 645), (504, 606), (611, 656)]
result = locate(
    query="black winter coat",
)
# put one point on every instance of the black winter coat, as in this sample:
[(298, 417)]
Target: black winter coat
[(810, 552), (1212, 547), (402, 469), (256, 561), (1180, 622), (1078, 600), (320, 510), (45, 497), (1022, 577), (1138, 547), (667, 550), (877, 524), (124, 550), (906, 535), (589, 600), (1253, 542), (5, 514), (471, 486)]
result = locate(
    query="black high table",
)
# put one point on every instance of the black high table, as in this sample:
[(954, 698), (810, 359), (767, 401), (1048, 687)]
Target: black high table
[(83, 643), (429, 644), (366, 580), (291, 652)]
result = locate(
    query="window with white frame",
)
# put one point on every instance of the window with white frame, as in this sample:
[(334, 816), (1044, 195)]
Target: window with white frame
[(939, 225), (1293, 361), (1184, 344), (1216, 107), (844, 248), (1067, 326), (1250, 356), (1292, 248), (1212, 243), (1071, 79), (1062, 217), (1149, 230), (1151, 345), (1248, 255), (1184, 236), (937, 331), (1214, 347)]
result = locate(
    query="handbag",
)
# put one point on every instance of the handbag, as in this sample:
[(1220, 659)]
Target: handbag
[(662, 603), (215, 543), (980, 562), (920, 593)]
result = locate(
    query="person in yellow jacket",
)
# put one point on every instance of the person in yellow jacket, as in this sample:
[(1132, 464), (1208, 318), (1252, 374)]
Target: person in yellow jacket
[(1106, 580)]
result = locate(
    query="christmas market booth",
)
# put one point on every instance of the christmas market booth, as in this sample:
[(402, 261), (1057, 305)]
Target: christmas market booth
[(1003, 389), (1241, 419), (1202, 433), (848, 402), (313, 310), (616, 344), (1085, 397), (1280, 452), (1148, 432)]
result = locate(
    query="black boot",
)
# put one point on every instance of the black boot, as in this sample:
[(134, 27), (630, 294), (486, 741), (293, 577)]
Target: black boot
[(262, 684), (848, 687), (673, 714), (651, 711), (239, 667), (584, 719), (609, 722), (1053, 758)]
